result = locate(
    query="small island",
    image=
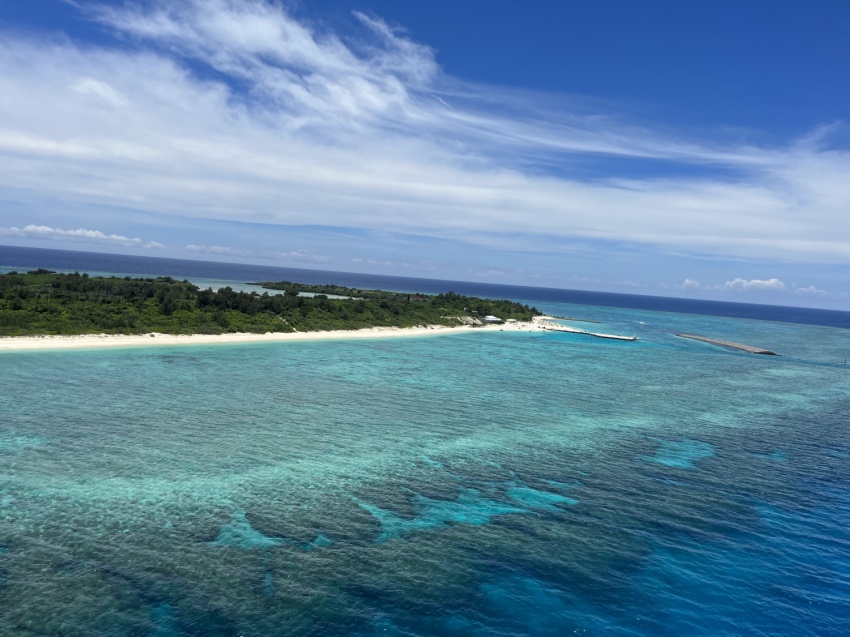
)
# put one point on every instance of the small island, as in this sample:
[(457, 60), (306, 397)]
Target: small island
[(41, 302)]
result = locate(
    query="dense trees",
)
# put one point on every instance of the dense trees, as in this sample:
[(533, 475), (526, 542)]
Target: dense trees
[(43, 302)]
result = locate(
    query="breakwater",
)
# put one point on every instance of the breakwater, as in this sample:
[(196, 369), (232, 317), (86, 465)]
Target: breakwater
[(551, 327), (730, 344), (572, 318)]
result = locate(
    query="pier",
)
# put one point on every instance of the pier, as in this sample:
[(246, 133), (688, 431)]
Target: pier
[(551, 327), (572, 318), (729, 344)]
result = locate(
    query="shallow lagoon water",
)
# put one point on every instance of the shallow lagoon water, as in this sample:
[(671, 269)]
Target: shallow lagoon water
[(474, 484)]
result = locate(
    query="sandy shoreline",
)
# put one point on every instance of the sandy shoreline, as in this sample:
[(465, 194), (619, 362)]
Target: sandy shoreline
[(20, 343)]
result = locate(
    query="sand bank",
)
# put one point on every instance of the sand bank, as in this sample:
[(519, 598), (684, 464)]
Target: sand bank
[(18, 343)]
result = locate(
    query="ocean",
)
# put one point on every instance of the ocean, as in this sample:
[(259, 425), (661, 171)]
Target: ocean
[(483, 484)]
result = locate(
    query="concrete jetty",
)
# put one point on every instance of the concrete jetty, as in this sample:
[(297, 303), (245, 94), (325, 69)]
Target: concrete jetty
[(572, 318), (729, 344), (551, 327)]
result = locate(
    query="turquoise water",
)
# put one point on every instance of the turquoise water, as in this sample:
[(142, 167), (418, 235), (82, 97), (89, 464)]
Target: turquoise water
[(497, 483)]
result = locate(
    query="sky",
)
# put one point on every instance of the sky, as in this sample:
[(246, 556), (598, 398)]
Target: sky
[(694, 149)]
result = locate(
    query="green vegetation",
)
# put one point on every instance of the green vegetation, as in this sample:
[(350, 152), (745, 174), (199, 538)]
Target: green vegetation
[(43, 302)]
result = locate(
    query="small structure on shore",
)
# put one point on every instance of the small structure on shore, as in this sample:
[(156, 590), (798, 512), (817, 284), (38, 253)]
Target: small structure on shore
[(492, 319)]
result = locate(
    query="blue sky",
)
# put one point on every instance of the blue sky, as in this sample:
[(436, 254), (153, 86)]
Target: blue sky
[(696, 149)]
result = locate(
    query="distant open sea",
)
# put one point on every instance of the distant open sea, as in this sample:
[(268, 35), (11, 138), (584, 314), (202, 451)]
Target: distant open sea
[(215, 275), (483, 484)]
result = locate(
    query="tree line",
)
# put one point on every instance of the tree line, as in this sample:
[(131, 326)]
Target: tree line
[(45, 302)]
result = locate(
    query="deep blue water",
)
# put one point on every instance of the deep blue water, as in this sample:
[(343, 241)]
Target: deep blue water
[(485, 484)]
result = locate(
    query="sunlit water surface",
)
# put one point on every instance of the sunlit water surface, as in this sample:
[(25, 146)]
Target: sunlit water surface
[(474, 484), (494, 484)]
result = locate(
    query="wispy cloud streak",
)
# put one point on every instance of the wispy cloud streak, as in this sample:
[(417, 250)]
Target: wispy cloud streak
[(236, 110)]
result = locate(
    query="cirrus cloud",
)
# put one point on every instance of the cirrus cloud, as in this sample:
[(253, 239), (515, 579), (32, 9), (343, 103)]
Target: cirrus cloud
[(240, 111)]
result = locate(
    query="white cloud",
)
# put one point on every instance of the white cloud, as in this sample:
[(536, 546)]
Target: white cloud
[(753, 284), (810, 291), (300, 255), (631, 284), (302, 127), (748, 285), (100, 90), (81, 234), (202, 249), (276, 255), (154, 245)]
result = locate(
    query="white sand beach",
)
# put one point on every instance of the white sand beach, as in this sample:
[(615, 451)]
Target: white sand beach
[(19, 343)]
